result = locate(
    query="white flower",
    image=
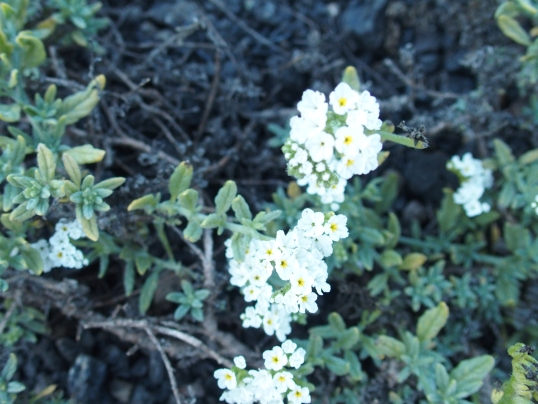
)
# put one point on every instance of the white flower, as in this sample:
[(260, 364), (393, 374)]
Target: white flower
[(240, 362), (311, 223), (343, 98), (347, 140), (312, 103), (286, 265), (473, 208), (251, 293), (283, 381), (289, 346), (348, 166), (226, 379), (297, 359), (301, 282), (308, 302), (324, 244), (469, 191), (357, 118), (303, 128), (320, 146), (42, 246), (299, 395), (268, 250), (275, 359), (336, 227), (270, 323)]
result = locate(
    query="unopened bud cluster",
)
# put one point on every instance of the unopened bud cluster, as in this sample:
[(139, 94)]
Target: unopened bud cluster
[(328, 146)]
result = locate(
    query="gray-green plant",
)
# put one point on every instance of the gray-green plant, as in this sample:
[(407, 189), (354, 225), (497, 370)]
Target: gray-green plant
[(9, 389), (189, 301)]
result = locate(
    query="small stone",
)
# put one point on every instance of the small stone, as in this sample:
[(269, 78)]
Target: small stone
[(121, 390), (67, 348), (116, 359), (140, 368), (363, 19), (157, 371), (85, 380), (141, 396), (52, 361)]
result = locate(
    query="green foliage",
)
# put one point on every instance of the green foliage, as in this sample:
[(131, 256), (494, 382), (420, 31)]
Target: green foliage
[(9, 389), (416, 353), (522, 388), (23, 323), (508, 16), (189, 301)]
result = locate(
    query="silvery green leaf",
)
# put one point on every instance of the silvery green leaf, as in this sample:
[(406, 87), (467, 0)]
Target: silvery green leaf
[(241, 208), (431, 322), (147, 292), (10, 367), (129, 278), (180, 312), (15, 387), (87, 211), (110, 184), (46, 162), (225, 197), (180, 180), (72, 169)]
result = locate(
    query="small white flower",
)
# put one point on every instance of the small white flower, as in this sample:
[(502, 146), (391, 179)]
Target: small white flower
[(297, 359), (343, 98), (473, 208), (301, 282), (289, 346), (251, 293), (283, 381), (299, 395), (347, 140), (226, 379), (320, 146), (275, 359), (240, 362), (308, 302), (336, 227), (311, 223), (312, 103)]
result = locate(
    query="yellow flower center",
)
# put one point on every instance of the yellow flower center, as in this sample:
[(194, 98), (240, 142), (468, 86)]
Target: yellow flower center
[(333, 227), (348, 140), (342, 102)]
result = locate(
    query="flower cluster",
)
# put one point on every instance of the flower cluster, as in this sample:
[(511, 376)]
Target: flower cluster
[(297, 259), (58, 250), (327, 147), (474, 179), (266, 386)]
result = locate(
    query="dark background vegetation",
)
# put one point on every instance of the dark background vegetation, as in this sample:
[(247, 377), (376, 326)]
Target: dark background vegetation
[(201, 81)]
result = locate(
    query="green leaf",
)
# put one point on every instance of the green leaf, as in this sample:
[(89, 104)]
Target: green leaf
[(10, 367), (213, 220), (181, 312), (10, 112), (315, 346), (142, 262), (33, 50), (10, 192), (391, 347), (32, 258), (441, 377), (81, 104), (337, 365), (4, 286), (355, 367), (129, 278), (201, 294), (503, 152), (470, 373), (337, 322), (15, 387), (46, 162), (225, 197), (413, 261), (180, 180), (390, 258), (197, 314), (193, 231), (104, 260), (188, 199), (187, 287), (241, 208), (20, 214), (147, 292), (393, 226), (175, 297), (145, 202), (86, 154), (266, 217), (371, 236), (516, 237), (431, 322), (89, 226), (528, 157), (347, 339), (511, 28), (111, 183), (72, 169)]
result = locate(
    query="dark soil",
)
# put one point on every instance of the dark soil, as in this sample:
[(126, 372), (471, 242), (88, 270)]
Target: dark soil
[(201, 81)]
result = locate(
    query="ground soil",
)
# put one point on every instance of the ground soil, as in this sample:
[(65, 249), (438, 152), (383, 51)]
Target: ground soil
[(202, 81)]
